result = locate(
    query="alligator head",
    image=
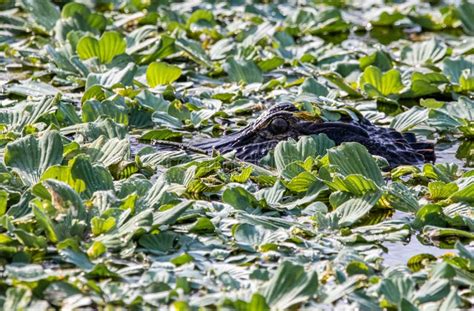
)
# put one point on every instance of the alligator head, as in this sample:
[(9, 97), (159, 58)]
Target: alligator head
[(284, 121)]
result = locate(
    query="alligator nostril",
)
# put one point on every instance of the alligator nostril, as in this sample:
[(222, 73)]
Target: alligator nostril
[(278, 126)]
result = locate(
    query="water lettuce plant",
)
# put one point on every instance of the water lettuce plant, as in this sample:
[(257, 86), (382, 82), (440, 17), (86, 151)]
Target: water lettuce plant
[(95, 214)]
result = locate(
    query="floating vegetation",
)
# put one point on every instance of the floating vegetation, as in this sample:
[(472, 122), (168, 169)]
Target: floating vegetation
[(111, 196)]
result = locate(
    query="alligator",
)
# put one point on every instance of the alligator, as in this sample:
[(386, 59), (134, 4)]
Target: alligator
[(285, 121)]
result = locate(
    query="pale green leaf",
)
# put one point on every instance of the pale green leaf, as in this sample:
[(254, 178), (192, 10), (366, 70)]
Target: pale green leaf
[(162, 73)]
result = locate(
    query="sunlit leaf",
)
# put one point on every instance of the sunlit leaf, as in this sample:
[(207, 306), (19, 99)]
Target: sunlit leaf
[(162, 73), (105, 49), (375, 83)]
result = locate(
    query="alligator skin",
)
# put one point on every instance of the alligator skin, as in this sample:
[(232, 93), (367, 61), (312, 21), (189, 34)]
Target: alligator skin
[(284, 121)]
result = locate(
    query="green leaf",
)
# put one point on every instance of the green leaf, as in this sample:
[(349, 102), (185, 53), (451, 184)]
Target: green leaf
[(426, 52), (43, 12), (160, 73), (29, 114), (124, 232), (241, 70), (17, 298), (182, 259), (257, 303), (352, 210), (425, 84), (270, 64), (290, 285), (353, 158), (256, 238), (379, 59), (396, 288), (243, 176), (464, 194), (430, 214), (311, 86), (30, 240), (77, 258), (287, 152), (109, 45), (33, 88), (93, 110), (169, 216), (466, 14), (302, 182), (419, 261), (96, 250), (72, 8), (409, 119), (387, 18), (200, 16), (339, 81), (433, 290), (466, 253), (453, 68), (30, 156), (166, 120), (81, 175), (437, 233), (355, 184), (202, 225), (101, 225), (3, 201), (466, 81), (194, 51), (376, 84), (163, 242), (400, 197), (108, 151), (47, 224), (440, 190), (112, 77), (240, 199), (63, 198), (93, 130), (77, 18), (452, 301)]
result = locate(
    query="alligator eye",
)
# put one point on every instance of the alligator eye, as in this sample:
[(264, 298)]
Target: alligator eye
[(278, 126)]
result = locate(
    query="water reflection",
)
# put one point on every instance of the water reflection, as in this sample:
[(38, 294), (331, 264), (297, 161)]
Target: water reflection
[(400, 252), (460, 153)]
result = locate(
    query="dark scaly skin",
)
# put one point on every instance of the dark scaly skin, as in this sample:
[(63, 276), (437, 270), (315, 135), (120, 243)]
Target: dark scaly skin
[(284, 121)]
